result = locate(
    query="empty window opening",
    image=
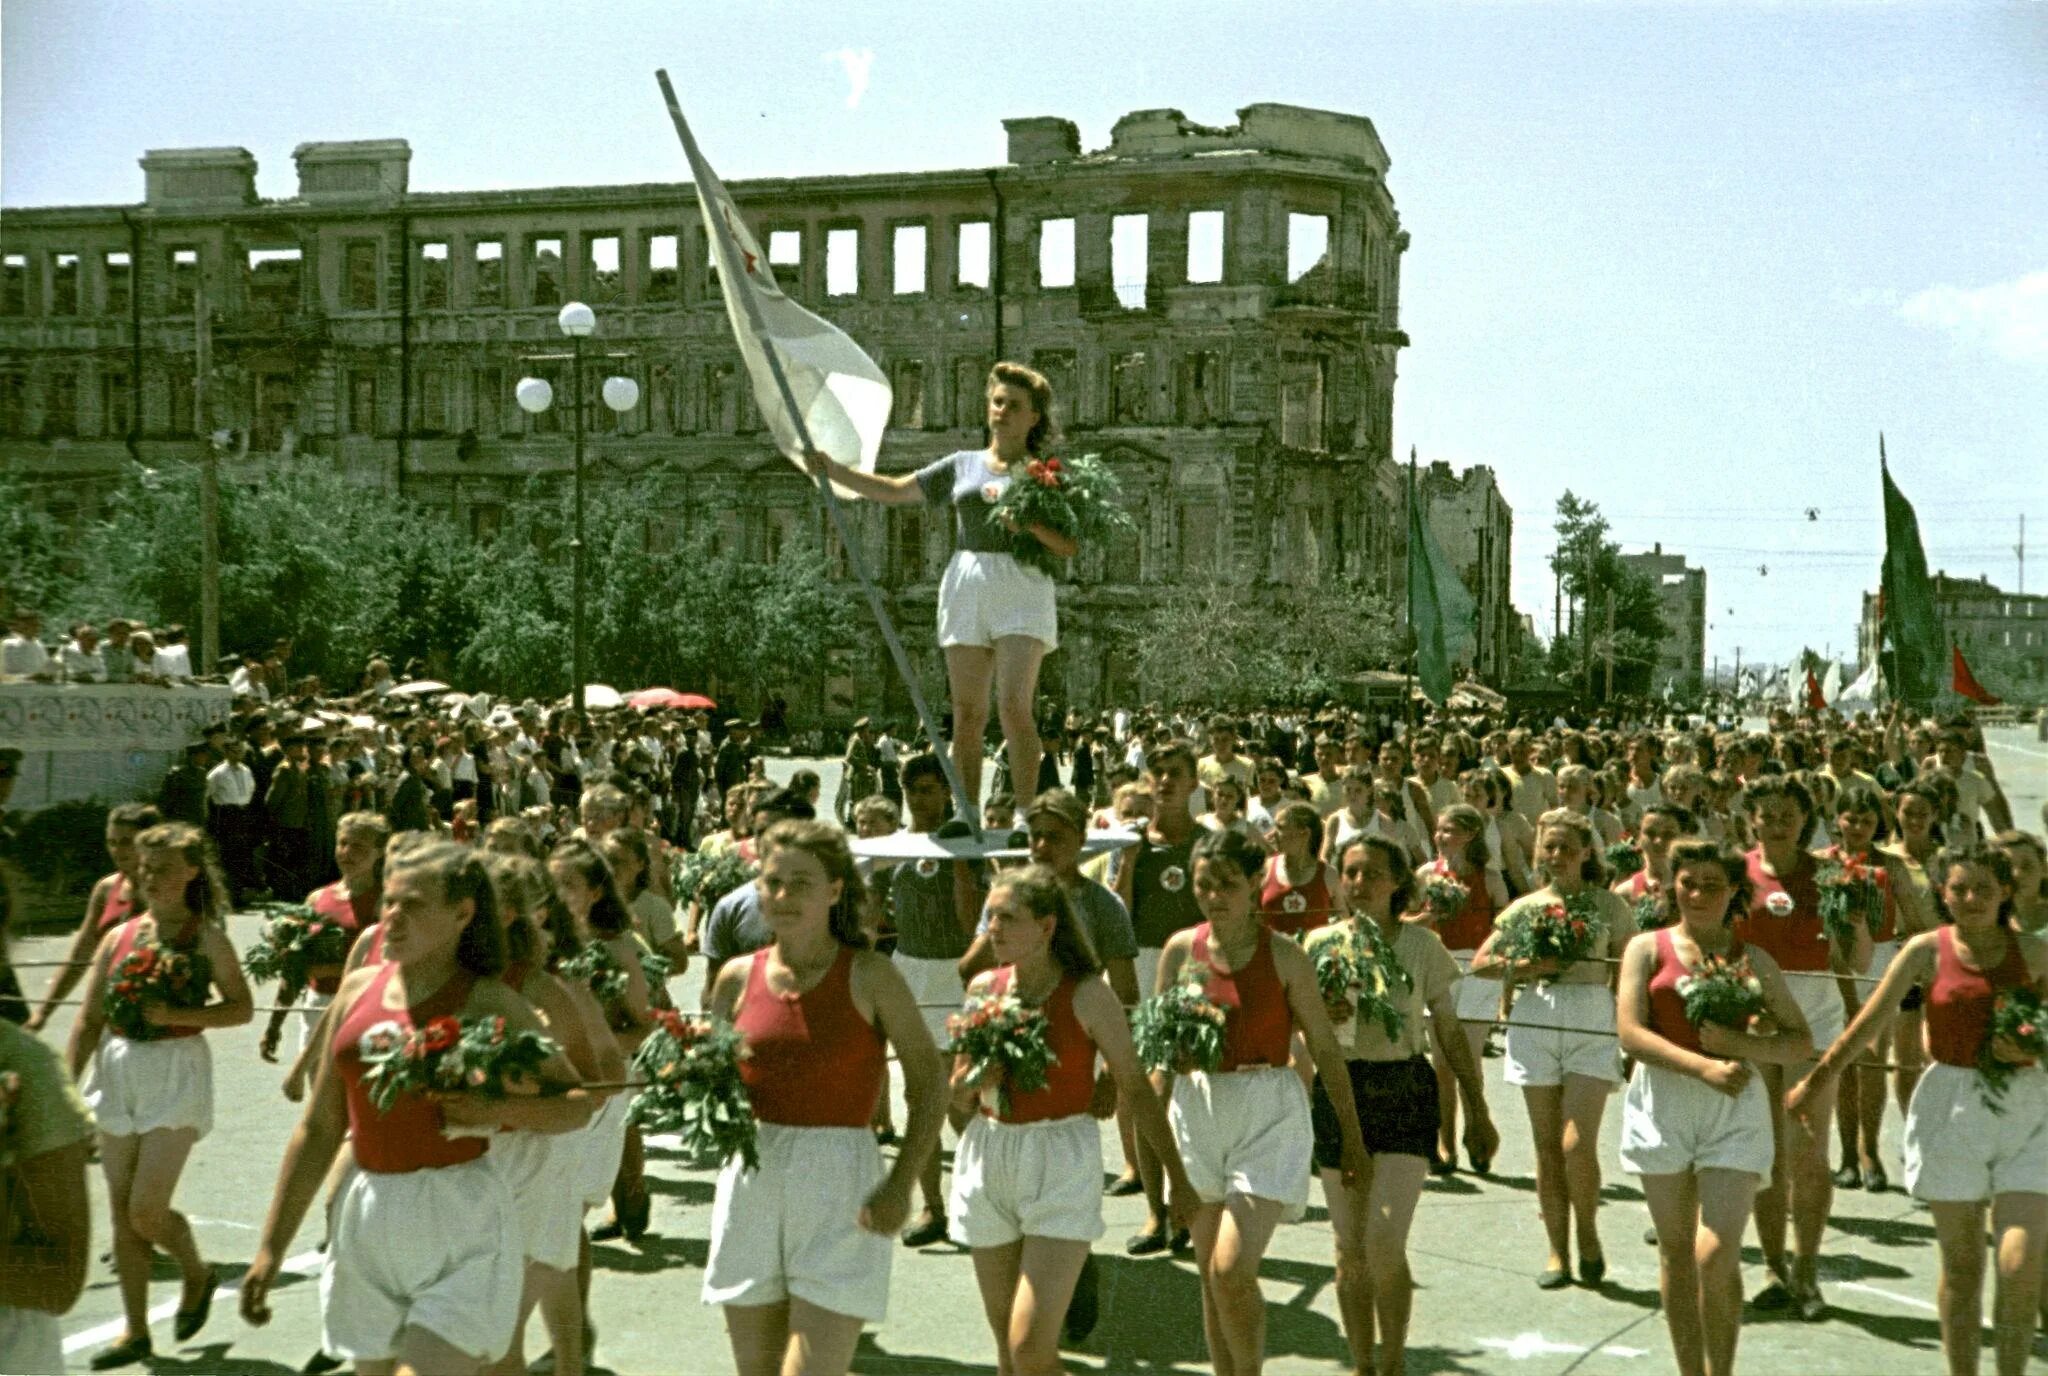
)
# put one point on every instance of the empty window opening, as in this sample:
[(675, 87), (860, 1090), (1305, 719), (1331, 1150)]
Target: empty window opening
[(910, 259), (119, 272), (970, 396), (277, 413), (601, 276), (544, 263), (60, 406), (842, 262), (178, 391), (1308, 245), (273, 279), (971, 268), (1130, 258), (362, 402), (488, 265), (184, 280), (114, 398), (433, 401), (14, 293), (64, 284), (1129, 382), (660, 282), (359, 269), (433, 270), (487, 401), (1056, 253), (1202, 387), (1205, 246), (785, 248), (13, 405)]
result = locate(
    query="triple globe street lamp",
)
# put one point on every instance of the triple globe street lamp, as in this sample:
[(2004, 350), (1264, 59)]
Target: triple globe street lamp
[(535, 395)]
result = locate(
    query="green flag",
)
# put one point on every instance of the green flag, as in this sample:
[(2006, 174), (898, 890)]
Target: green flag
[(1441, 612), (1908, 615)]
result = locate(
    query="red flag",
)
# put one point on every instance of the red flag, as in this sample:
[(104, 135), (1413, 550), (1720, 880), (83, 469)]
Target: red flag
[(1816, 701), (1965, 683)]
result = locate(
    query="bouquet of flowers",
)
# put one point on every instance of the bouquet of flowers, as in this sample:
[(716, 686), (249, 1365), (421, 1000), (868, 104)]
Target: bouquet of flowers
[(153, 973), (1564, 932), (450, 1055), (1181, 1029), (1849, 894), (1079, 498), (1360, 969), (1443, 897), (692, 1069), (1722, 991), (1650, 911), (707, 878), (295, 940), (1624, 858), (1002, 1032), (598, 968), (10, 1095), (2018, 1016)]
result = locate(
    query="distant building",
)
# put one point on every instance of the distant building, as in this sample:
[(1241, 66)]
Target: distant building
[(1682, 592), (1474, 526), (2003, 634)]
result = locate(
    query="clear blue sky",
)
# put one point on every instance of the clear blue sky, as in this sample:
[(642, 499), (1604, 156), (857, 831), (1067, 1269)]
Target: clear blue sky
[(1685, 259)]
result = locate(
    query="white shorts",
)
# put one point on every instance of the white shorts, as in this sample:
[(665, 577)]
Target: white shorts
[(1147, 967), (984, 597), (312, 1007), (1672, 1123), (1819, 997), (1245, 1132), (1882, 954), (603, 1142), (542, 1170), (435, 1249), (1014, 1180), (30, 1340), (936, 986), (791, 1228), (1537, 1056), (139, 1087), (1957, 1150)]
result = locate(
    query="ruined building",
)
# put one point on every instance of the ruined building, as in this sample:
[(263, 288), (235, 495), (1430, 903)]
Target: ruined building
[(1218, 309)]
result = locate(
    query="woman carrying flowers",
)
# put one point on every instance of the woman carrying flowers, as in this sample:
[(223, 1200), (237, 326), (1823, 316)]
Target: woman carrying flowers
[(1561, 943), (1027, 1181), (1660, 824), (344, 908), (1300, 892), (114, 899), (1402, 969), (1977, 1129), (139, 1025), (1696, 1008), (1457, 894)]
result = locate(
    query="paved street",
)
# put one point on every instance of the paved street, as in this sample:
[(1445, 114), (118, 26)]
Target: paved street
[(1476, 1249)]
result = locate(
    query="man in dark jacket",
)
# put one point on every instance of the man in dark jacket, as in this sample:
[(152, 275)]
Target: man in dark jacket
[(183, 797), (286, 808), (409, 810)]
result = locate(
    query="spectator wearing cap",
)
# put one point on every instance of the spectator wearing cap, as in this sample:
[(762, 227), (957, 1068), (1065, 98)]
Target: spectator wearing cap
[(173, 655), (142, 654), (735, 755), (81, 657), (22, 655)]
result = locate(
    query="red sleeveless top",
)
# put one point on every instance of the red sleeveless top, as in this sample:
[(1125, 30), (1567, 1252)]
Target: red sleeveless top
[(125, 943), (813, 1061), (373, 954), (1784, 915), (334, 904), (1959, 1004), (120, 904), (408, 1138), (1888, 928), (1474, 923), (1294, 909), (1070, 1079), (1260, 1023), (1667, 1005)]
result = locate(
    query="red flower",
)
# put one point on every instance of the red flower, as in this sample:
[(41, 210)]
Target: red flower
[(2026, 1029), (440, 1034), (1052, 465), (1034, 469)]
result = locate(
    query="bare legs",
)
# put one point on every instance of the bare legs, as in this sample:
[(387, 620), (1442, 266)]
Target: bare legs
[(1447, 1089), (1700, 1218), (1025, 1287), (1564, 1121), (1010, 667), (142, 1175), (1802, 1164), (1230, 1241), (794, 1338), (1375, 1291)]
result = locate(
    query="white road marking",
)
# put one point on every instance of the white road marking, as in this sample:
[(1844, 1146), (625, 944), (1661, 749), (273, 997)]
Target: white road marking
[(304, 1264), (1523, 1346)]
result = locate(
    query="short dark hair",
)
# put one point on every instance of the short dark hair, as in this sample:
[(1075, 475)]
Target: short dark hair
[(785, 803)]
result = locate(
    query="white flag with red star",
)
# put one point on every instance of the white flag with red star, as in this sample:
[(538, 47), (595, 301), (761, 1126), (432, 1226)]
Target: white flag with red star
[(843, 397)]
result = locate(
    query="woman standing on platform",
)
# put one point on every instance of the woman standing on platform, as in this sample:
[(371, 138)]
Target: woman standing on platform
[(1694, 1122), (1244, 1129), (1027, 1178), (1969, 1149), (801, 1246), (997, 619), (1461, 854), (114, 899), (153, 1094)]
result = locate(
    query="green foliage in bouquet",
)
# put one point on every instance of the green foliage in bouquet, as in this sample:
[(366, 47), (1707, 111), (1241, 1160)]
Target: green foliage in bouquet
[(1079, 498), (692, 1069), (1181, 1029)]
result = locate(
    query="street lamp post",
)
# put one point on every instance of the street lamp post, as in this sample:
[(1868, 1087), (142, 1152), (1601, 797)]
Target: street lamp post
[(534, 395)]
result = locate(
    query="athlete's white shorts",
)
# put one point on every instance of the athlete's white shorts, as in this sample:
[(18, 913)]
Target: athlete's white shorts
[(139, 1087), (984, 597), (1541, 1056), (1245, 1132), (1957, 1149), (791, 1229), (1014, 1180), (1671, 1122)]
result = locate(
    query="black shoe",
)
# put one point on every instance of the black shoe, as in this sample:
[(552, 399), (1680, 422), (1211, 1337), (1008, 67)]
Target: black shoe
[(1776, 1295), (190, 1321), (322, 1362), (1147, 1243), (925, 1234), (1876, 1181), (607, 1232), (1480, 1164), (1441, 1165), (1650, 1237), (128, 1352), (1084, 1308), (1849, 1178), (1183, 1243), (1812, 1308), (1592, 1270), (885, 1137), (633, 1218), (1125, 1186), (1553, 1278)]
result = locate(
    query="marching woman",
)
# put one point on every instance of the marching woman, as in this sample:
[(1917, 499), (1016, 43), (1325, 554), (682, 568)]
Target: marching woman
[(2029, 861), (1972, 1143), (152, 1091), (1918, 807), (114, 900), (1660, 825), (997, 620), (801, 1246), (350, 903), (1393, 1091), (1300, 892), (1027, 1177), (1694, 1122), (1461, 854), (1859, 825), (1565, 1076), (1244, 1129), (424, 1271), (1784, 919)]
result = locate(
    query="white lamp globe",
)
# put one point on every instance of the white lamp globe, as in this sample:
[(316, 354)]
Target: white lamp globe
[(621, 393), (534, 395), (577, 319)]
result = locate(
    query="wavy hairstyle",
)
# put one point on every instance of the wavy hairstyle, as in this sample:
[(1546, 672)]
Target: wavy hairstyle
[(1772, 786), (1396, 858), (1231, 849), (1044, 896), (1984, 857), (609, 915), (1011, 374), (826, 844), (1592, 868), (206, 896), (1472, 822), (1734, 867)]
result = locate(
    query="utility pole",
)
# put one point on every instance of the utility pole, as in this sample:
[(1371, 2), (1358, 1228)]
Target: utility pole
[(209, 484), (1609, 696), (2020, 549)]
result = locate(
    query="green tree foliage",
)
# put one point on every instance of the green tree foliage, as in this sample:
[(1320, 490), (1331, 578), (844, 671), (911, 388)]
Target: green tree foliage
[(1218, 645), (1592, 576)]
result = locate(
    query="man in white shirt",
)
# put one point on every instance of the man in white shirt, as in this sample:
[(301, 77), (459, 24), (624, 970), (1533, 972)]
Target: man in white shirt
[(1535, 788), (1976, 794), (248, 681), (230, 798), (173, 655), (22, 654), (81, 655)]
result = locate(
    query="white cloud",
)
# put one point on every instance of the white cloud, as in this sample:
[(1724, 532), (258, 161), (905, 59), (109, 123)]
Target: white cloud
[(855, 62), (2009, 318)]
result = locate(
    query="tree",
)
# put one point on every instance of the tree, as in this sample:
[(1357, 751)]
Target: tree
[(1216, 644), (1591, 580)]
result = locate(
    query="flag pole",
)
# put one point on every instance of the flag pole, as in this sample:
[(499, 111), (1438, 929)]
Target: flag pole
[(963, 805), (1408, 581)]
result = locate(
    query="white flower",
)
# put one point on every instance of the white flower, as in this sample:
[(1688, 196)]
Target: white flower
[(380, 1040), (1173, 879), (991, 492), (1780, 903), (1754, 985)]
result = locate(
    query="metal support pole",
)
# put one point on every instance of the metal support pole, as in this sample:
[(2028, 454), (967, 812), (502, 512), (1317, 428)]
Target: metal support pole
[(209, 479), (576, 543)]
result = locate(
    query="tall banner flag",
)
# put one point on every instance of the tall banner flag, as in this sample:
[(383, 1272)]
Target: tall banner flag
[(1862, 692), (1965, 683), (1815, 702), (1441, 612), (1911, 622)]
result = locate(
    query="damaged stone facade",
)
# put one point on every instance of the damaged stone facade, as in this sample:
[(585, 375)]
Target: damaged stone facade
[(1474, 527), (1218, 310)]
